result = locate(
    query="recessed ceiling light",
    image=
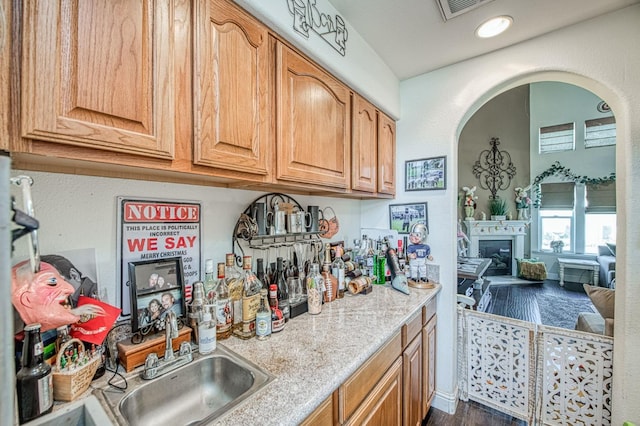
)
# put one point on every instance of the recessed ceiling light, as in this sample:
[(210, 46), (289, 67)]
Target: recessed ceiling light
[(494, 26)]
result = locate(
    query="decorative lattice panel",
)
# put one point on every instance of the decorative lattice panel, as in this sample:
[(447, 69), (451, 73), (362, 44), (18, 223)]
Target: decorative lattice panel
[(514, 366), (497, 362), (574, 378)]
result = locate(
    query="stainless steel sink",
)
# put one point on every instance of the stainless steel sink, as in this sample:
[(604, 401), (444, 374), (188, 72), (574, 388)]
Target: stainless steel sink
[(194, 394)]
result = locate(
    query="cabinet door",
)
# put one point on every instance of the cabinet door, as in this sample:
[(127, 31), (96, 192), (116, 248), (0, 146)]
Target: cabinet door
[(313, 123), (232, 88), (364, 146), (386, 155), (428, 364), (412, 382), (383, 406), (100, 74)]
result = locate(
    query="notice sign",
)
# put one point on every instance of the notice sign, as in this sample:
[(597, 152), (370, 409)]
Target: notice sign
[(154, 230)]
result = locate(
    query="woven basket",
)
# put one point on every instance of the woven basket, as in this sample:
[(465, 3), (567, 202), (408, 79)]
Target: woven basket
[(68, 385)]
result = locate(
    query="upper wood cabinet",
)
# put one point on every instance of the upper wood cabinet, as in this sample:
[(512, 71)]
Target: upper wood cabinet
[(364, 146), (232, 88), (313, 123), (386, 155), (99, 74), (373, 158)]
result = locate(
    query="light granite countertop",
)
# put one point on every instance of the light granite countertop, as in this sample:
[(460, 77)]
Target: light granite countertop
[(315, 354)]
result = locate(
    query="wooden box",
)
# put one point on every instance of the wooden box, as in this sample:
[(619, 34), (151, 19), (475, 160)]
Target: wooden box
[(132, 356)]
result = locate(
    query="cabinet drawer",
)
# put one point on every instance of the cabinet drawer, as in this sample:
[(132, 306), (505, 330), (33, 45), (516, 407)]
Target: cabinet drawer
[(356, 388), (428, 311), (411, 329), (323, 415)]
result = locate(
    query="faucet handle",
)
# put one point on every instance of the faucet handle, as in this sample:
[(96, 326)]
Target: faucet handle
[(185, 348), (151, 361)]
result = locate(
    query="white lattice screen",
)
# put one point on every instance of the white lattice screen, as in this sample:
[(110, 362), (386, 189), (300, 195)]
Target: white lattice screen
[(544, 375)]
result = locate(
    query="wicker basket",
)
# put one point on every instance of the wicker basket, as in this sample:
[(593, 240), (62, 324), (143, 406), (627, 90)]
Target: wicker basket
[(68, 385)]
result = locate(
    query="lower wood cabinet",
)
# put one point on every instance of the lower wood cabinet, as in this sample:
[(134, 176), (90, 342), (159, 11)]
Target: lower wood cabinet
[(429, 363), (395, 386), (412, 365), (383, 405)]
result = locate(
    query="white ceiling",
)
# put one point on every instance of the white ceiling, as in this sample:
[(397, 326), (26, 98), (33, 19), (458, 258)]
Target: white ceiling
[(412, 37)]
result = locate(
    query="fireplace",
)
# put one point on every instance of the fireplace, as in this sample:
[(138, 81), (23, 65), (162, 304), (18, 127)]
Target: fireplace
[(512, 231), (499, 251)]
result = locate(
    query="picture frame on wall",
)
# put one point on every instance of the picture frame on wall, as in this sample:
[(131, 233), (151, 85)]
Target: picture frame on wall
[(157, 286), (425, 174), (402, 217)]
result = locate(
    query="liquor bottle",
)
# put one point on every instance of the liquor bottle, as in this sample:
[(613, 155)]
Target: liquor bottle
[(263, 318), (260, 273), (338, 271), (277, 318), (283, 291), (209, 282), (369, 258), (250, 301), (233, 278), (330, 282), (224, 308), (34, 382), (207, 332), (314, 290)]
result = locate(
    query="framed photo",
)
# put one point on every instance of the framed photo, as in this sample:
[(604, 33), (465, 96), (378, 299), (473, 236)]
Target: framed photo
[(403, 216), (157, 287), (425, 174)]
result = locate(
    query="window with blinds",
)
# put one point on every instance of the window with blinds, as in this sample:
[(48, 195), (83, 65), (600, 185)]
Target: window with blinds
[(600, 132), (556, 138), (601, 198), (557, 196)]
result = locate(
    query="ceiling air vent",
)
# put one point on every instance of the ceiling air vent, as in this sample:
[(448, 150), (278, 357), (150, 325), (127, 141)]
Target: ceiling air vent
[(452, 8)]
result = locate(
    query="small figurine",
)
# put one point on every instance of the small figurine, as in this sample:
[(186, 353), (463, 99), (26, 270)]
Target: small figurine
[(483, 215), (418, 252)]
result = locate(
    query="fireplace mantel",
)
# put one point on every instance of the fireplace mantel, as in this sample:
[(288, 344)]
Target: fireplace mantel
[(515, 230)]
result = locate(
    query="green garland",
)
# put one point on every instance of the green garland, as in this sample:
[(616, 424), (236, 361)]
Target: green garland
[(557, 169)]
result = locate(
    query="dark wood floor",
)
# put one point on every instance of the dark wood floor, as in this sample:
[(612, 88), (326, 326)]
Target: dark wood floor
[(470, 414)]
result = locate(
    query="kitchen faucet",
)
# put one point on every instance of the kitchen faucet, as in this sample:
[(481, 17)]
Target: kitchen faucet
[(153, 367), (171, 332)]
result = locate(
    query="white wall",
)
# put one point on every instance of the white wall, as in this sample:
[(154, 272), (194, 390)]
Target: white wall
[(361, 68), (600, 55), (78, 212)]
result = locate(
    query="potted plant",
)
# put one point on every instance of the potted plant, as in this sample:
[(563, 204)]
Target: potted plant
[(498, 209)]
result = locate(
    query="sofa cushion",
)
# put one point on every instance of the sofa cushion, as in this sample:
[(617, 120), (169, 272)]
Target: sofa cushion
[(602, 298), (612, 248), (590, 322)]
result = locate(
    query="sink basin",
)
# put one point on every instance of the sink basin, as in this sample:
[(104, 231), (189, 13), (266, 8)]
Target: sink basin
[(193, 394)]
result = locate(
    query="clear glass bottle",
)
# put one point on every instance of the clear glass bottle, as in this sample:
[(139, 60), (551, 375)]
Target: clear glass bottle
[(209, 281), (283, 291), (233, 278), (207, 332), (314, 290), (34, 382), (250, 300), (338, 271), (263, 317), (224, 308)]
